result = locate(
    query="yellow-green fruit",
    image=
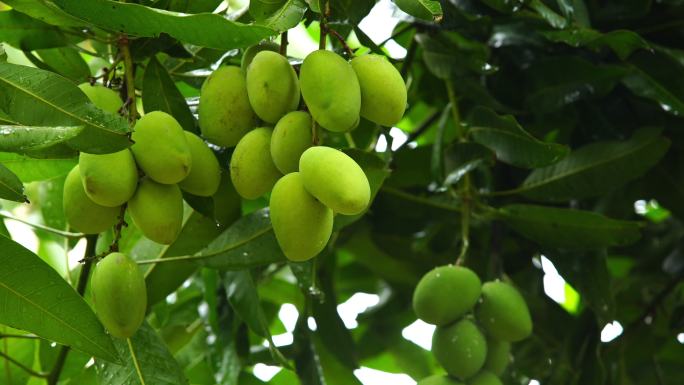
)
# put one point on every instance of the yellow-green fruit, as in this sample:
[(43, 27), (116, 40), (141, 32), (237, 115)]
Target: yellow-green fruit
[(225, 115), (272, 86), (157, 210), (250, 52), (102, 97), (460, 348), (291, 137), (81, 212), (438, 379), (161, 149), (227, 202), (498, 356), (485, 378), (445, 294), (503, 312), (302, 225), (109, 179), (119, 294), (383, 91), (251, 168), (335, 179), (331, 90), (205, 174)]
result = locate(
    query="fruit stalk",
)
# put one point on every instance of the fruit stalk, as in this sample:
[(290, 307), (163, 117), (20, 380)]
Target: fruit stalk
[(130, 79)]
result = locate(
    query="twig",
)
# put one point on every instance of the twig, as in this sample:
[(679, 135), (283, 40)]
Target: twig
[(340, 39), (65, 234), (130, 79), (283, 43), (24, 367)]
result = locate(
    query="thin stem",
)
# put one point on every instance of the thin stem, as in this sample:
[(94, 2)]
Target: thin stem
[(171, 259), (323, 25), (23, 367), (340, 39), (283, 43), (314, 133), (419, 199), (408, 60), (135, 361), (350, 140), (130, 79), (65, 234), (422, 128), (455, 114), (399, 32)]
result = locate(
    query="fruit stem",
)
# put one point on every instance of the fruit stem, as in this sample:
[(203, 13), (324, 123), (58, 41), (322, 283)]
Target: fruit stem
[(340, 38), (65, 234), (130, 79), (350, 140), (283, 44)]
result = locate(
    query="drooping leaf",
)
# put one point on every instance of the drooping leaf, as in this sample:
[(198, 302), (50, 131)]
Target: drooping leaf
[(66, 61), (31, 169), (161, 94), (27, 33), (657, 77), (622, 42), (423, 9), (279, 15), (350, 11), (11, 187), (549, 15), (462, 158)]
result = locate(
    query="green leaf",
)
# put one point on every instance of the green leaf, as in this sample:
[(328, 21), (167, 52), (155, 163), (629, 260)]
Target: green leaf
[(161, 94), (423, 9), (26, 33), (622, 42), (30, 169), (348, 11), (21, 350), (36, 299), (550, 16), (45, 11), (658, 77), (66, 61), (450, 55), (462, 158), (279, 15), (11, 187), (24, 139)]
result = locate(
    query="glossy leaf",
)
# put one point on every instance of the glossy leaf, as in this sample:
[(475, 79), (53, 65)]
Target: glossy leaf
[(24, 139), (27, 33), (279, 15), (161, 94), (11, 187), (658, 77), (622, 42), (422, 9)]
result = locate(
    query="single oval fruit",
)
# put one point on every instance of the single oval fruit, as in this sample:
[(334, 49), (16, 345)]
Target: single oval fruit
[(335, 179), (205, 174), (485, 378), (460, 348), (383, 91), (251, 168), (498, 356), (81, 212), (439, 379), (102, 97), (225, 114), (109, 179), (250, 52), (302, 225), (331, 90), (445, 294), (161, 149), (503, 312), (119, 294), (291, 137), (272, 86), (157, 210), (227, 202)]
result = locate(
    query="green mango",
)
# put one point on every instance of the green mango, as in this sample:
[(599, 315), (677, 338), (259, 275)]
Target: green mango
[(460, 348), (331, 91), (250, 52), (439, 379), (109, 179), (291, 137), (485, 378), (498, 356), (161, 149), (272, 86), (335, 179), (119, 294), (225, 114), (227, 202), (383, 91), (503, 312), (81, 212), (445, 294), (157, 210), (205, 174), (102, 97), (302, 225), (251, 168)]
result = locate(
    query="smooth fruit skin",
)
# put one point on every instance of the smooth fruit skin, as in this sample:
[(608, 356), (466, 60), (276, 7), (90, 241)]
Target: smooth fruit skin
[(445, 294), (102, 97), (383, 91), (251, 168), (302, 225), (81, 212), (205, 174), (498, 356), (335, 179), (250, 52), (119, 294), (109, 179), (225, 114), (227, 202), (503, 312), (272, 86), (485, 378), (291, 137), (161, 149), (460, 348), (331, 90), (439, 379), (157, 210)]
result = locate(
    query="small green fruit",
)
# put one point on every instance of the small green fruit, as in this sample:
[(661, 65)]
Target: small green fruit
[(445, 294), (250, 52), (503, 312), (383, 91), (485, 378), (272, 86), (302, 225), (205, 174), (119, 294), (335, 179), (161, 149), (291, 137), (102, 97), (109, 179), (438, 379), (498, 356), (81, 212), (157, 210), (227, 202), (460, 348), (251, 168)]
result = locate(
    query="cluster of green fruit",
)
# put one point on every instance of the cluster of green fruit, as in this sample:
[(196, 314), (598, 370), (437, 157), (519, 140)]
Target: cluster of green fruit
[(447, 297)]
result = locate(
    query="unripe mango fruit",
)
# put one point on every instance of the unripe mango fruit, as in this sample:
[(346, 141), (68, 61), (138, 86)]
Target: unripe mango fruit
[(119, 294), (157, 210), (302, 225), (383, 91), (272, 86), (460, 348), (251, 168), (503, 312), (498, 356), (205, 174), (81, 212), (485, 378), (227, 202), (331, 90), (161, 149), (335, 179), (225, 114), (438, 379), (102, 97), (109, 179), (291, 137), (250, 52), (445, 294)]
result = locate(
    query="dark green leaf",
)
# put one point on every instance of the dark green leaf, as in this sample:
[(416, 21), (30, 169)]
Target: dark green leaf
[(423, 9), (660, 78), (622, 42), (66, 61), (549, 15), (161, 94), (505, 6), (350, 11), (11, 187), (462, 158), (279, 15), (31, 169), (26, 33), (449, 55)]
